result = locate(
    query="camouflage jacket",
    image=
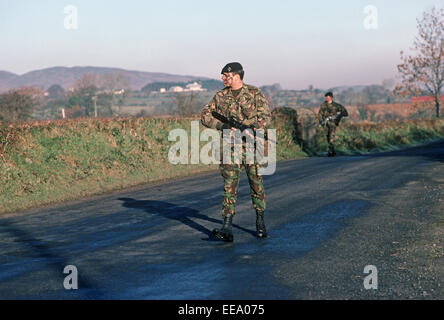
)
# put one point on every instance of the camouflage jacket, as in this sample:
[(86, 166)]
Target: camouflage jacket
[(250, 107), (332, 109)]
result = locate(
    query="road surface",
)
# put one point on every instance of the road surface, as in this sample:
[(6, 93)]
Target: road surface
[(328, 218)]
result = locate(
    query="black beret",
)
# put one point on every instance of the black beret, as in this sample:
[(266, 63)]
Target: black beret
[(329, 94), (232, 67)]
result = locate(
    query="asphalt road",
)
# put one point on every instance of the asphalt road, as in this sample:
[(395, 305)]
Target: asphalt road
[(328, 218)]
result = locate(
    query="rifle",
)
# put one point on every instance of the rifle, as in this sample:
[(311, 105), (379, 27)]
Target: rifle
[(238, 125), (330, 118)]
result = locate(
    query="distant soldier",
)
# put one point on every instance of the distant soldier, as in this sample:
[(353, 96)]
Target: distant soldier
[(249, 106), (329, 116)]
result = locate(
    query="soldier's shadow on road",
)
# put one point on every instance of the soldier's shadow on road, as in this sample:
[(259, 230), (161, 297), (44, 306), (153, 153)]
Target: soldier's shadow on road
[(178, 213)]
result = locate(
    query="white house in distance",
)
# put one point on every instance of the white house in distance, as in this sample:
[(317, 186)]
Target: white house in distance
[(189, 87), (194, 87), (176, 89)]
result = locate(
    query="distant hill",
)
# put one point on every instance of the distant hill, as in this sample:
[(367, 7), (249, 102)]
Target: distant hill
[(5, 79), (4, 75), (67, 76)]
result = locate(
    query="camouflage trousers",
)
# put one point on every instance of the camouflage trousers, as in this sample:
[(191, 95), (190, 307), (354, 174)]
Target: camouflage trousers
[(231, 174), (331, 136)]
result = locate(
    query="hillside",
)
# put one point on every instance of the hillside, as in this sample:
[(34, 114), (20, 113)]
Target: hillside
[(5, 79), (67, 76)]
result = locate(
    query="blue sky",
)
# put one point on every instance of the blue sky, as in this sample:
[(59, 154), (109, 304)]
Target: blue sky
[(294, 43)]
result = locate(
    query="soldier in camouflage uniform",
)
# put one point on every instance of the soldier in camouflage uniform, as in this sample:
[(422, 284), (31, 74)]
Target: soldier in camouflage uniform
[(329, 116), (248, 105)]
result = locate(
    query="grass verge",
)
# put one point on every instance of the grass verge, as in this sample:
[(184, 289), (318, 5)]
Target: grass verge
[(54, 161)]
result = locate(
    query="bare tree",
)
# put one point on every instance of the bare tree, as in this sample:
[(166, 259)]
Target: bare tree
[(187, 104), (84, 90), (424, 72), (87, 81), (112, 81)]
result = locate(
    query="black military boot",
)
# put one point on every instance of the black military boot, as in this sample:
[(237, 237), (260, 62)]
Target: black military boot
[(225, 233), (260, 225), (331, 152)]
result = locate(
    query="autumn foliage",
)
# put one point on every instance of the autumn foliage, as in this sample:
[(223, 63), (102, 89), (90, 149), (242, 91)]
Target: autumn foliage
[(422, 73)]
